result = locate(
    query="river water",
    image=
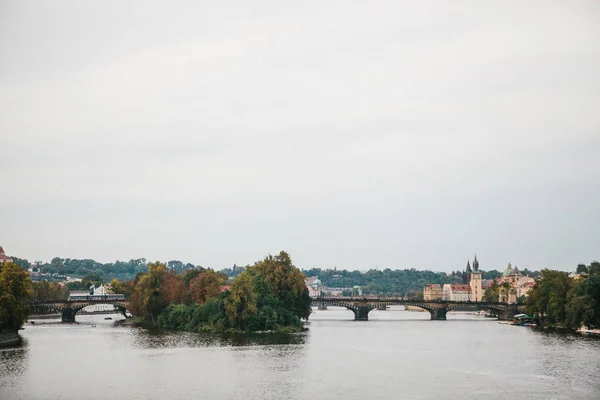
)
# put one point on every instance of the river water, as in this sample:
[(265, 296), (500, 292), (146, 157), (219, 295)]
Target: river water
[(396, 355)]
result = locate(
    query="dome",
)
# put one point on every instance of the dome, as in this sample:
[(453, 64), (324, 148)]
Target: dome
[(508, 271)]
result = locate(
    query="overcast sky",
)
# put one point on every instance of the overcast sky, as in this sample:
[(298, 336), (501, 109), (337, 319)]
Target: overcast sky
[(371, 134)]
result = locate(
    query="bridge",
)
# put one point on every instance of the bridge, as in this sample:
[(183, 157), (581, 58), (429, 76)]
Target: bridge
[(68, 308), (361, 306)]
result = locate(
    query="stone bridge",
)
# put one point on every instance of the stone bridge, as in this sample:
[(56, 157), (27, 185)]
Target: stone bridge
[(361, 306), (68, 308)]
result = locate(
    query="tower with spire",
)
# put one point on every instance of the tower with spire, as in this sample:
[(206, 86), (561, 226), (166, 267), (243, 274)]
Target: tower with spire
[(475, 281), (467, 273)]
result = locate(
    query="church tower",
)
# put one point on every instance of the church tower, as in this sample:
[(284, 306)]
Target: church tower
[(467, 274), (475, 282)]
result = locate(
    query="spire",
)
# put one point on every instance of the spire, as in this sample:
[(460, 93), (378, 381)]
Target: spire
[(469, 267), (475, 264)]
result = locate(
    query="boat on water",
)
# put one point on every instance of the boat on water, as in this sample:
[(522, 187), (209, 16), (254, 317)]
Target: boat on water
[(523, 320), (108, 318), (587, 331)]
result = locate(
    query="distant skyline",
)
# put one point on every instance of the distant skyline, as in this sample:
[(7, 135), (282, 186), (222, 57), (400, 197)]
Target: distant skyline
[(351, 135)]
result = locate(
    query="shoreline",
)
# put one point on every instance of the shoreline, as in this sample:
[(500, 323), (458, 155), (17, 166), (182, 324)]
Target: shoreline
[(9, 339)]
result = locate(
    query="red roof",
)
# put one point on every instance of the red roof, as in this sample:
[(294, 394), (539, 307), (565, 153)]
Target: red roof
[(4, 257), (225, 289), (461, 288)]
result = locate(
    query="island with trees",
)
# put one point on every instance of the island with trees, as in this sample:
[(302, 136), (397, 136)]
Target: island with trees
[(268, 296)]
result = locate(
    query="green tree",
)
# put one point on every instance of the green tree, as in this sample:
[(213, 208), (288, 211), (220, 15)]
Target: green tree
[(548, 298), (240, 305), (147, 300), (583, 303), (492, 293), (21, 262), (15, 291)]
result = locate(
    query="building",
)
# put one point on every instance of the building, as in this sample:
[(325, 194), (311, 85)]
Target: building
[(3, 257), (314, 285), (520, 284), (475, 282), (456, 292), (433, 292), (98, 291)]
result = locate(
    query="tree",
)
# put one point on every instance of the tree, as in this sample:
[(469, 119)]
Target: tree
[(190, 274), (125, 288), (15, 290), (491, 294), (548, 298), (582, 269), (205, 286), (44, 290), (583, 302), (173, 288), (21, 262), (147, 300), (240, 305)]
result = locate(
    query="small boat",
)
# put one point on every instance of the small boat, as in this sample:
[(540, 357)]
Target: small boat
[(108, 318), (93, 325), (589, 331)]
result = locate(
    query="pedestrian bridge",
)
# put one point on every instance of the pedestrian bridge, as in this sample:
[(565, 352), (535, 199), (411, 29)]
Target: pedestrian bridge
[(361, 306), (68, 308)]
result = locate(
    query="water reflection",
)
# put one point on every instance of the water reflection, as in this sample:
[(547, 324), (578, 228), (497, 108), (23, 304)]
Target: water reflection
[(392, 356), (14, 363), (147, 339)]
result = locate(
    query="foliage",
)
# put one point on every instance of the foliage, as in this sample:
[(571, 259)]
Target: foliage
[(122, 287), (492, 293), (90, 279), (147, 300), (205, 286), (270, 295), (558, 300), (15, 290), (44, 290), (240, 305), (21, 262)]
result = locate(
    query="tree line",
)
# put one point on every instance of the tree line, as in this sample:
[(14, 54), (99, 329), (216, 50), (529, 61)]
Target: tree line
[(559, 300)]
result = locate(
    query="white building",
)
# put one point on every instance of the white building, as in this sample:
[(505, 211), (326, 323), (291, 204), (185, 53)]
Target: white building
[(456, 292)]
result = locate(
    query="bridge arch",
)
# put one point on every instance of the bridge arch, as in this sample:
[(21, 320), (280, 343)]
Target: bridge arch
[(118, 306)]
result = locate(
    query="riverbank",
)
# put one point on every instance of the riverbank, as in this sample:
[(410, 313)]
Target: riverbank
[(9, 339), (43, 316)]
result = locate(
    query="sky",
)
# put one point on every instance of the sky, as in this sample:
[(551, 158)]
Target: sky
[(356, 135)]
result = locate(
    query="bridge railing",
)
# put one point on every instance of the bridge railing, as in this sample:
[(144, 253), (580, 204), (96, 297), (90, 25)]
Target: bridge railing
[(367, 299)]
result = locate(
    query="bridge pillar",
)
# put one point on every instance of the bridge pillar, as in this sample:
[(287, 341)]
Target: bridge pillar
[(505, 315), (438, 314), (322, 306), (68, 315), (381, 307), (361, 313)]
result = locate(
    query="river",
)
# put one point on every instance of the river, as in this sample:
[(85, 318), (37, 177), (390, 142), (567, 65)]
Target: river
[(395, 355)]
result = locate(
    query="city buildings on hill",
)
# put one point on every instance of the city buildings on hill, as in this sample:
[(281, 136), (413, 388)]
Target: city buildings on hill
[(473, 287), (3, 257)]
